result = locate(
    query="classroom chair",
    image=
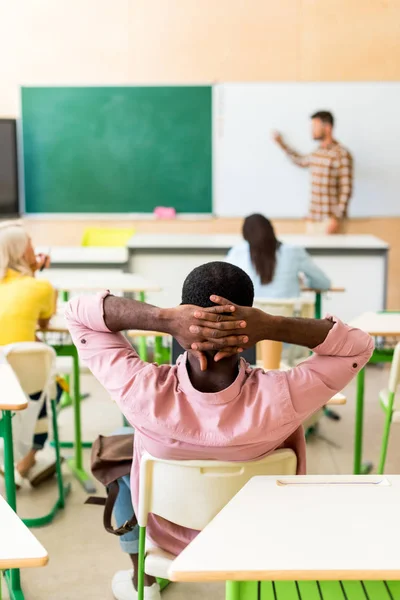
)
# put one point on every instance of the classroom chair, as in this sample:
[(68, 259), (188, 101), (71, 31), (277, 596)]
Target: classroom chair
[(207, 485), (107, 236), (33, 364), (390, 405)]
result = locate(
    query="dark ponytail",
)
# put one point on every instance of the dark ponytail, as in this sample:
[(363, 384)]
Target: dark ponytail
[(260, 235)]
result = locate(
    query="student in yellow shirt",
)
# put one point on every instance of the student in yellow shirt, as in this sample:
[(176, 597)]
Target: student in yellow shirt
[(25, 302)]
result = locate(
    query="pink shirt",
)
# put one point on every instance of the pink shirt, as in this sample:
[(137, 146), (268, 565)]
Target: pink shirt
[(256, 414)]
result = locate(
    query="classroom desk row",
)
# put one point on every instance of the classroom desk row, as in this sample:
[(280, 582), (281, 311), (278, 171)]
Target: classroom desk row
[(265, 545)]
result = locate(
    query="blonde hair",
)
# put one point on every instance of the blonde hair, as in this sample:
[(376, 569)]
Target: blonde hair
[(13, 243)]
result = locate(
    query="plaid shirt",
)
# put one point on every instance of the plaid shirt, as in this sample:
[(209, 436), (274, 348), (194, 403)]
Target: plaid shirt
[(331, 180)]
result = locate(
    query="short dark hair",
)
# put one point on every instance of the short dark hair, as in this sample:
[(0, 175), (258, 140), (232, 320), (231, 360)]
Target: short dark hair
[(325, 116), (220, 278)]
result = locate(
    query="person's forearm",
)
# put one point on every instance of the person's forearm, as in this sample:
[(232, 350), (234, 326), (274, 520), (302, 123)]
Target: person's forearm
[(121, 314), (301, 332)]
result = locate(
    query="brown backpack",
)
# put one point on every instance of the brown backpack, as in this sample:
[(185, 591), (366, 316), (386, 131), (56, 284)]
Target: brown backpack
[(111, 459)]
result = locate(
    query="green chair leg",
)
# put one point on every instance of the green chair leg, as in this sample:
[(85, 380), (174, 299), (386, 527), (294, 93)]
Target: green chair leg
[(141, 557), (386, 433), (63, 491)]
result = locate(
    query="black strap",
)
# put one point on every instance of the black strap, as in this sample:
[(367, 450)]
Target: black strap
[(108, 503)]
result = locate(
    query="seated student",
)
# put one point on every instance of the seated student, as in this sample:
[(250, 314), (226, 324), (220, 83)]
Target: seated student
[(25, 302), (211, 404), (274, 267)]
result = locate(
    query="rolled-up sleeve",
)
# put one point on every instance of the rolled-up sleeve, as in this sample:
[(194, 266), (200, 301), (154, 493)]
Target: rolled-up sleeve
[(334, 364), (110, 357)]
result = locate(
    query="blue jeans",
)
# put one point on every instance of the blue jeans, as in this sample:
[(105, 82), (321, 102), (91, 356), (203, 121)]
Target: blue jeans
[(123, 509)]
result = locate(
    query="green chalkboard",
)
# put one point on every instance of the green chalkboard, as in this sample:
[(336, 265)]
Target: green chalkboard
[(117, 149)]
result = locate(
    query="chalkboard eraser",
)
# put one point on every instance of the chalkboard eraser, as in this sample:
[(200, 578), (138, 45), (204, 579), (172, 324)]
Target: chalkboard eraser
[(164, 212)]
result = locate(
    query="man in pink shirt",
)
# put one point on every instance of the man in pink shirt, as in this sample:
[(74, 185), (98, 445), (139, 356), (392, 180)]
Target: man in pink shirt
[(212, 404)]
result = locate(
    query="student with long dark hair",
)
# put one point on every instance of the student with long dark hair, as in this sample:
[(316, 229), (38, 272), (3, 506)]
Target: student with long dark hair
[(274, 268)]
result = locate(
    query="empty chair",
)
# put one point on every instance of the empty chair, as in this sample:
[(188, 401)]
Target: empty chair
[(191, 493), (33, 364)]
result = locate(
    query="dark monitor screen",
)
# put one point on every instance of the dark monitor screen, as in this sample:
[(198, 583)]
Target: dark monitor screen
[(9, 204), (177, 350)]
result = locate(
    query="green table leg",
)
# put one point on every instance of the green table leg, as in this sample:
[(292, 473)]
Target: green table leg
[(13, 577), (232, 590), (76, 463), (158, 350), (318, 305)]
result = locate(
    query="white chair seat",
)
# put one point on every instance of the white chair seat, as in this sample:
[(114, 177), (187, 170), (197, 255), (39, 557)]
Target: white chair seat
[(158, 562), (384, 398), (64, 366)]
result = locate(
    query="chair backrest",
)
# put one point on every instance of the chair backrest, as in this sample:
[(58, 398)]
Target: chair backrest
[(32, 362), (191, 493), (107, 236), (280, 307), (394, 377)]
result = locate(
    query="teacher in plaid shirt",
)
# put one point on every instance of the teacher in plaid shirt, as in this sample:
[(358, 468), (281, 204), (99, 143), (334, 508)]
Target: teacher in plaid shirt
[(331, 176)]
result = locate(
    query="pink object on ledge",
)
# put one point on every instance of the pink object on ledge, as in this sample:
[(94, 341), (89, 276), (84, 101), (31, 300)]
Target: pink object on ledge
[(164, 212)]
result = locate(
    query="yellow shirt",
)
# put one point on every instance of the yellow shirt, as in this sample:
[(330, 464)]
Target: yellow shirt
[(23, 301)]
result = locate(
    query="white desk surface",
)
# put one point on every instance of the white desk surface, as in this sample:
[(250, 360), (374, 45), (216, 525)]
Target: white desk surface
[(93, 280), (18, 546), (226, 241), (268, 532), (85, 255), (379, 323), (12, 396)]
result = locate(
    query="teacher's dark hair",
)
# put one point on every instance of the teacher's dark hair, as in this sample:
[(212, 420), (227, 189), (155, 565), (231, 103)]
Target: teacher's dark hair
[(260, 235), (325, 116)]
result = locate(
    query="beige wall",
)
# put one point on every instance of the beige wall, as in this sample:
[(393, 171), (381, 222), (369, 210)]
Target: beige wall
[(84, 42), (53, 42)]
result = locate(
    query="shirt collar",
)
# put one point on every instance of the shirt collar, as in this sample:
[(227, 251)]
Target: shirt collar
[(222, 397)]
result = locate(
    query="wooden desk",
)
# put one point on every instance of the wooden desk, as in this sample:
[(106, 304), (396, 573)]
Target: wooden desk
[(318, 298), (82, 280), (381, 324), (266, 533), (18, 546), (168, 258), (81, 257)]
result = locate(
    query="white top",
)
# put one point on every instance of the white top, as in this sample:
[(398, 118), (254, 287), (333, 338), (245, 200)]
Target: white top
[(18, 546), (95, 280), (85, 255), (12, 395), (387, 323), (291, 263), (226, 241), (268, 532)]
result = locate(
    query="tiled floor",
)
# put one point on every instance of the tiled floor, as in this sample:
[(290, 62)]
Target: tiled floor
[(83, 557)]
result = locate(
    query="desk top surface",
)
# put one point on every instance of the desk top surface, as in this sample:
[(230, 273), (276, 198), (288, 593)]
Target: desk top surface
[(226, 241), (12, 396), (18, 546), (375, 323), (85, 255), (93, 280), (301, 528)]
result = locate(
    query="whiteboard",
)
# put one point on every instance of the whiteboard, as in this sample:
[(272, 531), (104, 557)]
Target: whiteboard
[(252, 174)]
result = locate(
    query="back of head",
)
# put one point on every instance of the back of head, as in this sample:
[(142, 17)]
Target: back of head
[(219, 278), (260, 235), (13, 243)]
